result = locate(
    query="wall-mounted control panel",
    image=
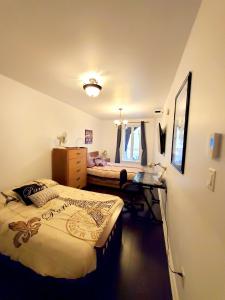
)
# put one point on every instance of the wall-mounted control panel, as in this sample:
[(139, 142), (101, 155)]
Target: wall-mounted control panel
[(211, 179)]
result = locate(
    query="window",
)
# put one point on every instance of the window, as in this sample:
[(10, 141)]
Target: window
[(131, 147)]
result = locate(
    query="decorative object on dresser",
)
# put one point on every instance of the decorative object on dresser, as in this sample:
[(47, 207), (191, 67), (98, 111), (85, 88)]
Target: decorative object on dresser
[(69, 166), (62, 140)]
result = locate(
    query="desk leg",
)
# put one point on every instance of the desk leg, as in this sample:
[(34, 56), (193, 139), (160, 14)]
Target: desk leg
[(153, 201)]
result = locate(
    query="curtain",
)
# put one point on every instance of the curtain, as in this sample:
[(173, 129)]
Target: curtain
[(143, 145), (119, 134), (127, 137)]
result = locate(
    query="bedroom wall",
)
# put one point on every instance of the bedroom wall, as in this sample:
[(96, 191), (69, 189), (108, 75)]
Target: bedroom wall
[(195, 214), (109, 136), (29, 124)]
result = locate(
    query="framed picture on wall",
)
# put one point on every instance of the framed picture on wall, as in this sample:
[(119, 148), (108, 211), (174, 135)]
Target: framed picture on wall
[(88, 136), (180, 124)]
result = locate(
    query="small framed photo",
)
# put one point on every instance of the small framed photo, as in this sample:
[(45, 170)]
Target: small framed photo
[(180, 124), (88, 136)]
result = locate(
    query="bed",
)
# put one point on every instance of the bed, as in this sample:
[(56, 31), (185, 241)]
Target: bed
[(109, 175), (69, 237)]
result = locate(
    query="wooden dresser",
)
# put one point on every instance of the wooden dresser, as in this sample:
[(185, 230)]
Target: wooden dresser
[(69, 166)]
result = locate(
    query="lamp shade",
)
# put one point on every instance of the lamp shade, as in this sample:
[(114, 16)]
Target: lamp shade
[(92, 89), (117, 122)]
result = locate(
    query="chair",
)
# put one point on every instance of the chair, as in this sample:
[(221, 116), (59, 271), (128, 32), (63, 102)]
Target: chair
[(133, 191)]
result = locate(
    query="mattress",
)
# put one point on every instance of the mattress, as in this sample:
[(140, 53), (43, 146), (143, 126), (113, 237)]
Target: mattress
[(57, 239), (112, 170)]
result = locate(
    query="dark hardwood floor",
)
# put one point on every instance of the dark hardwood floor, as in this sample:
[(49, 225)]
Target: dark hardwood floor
[(139, 271)]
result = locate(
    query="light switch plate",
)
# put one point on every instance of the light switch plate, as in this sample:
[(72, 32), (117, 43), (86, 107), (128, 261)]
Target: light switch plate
[(211, 179)]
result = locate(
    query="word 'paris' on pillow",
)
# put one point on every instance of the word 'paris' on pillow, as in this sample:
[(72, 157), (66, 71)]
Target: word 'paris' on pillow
[(27, 190), (10, 195), (41, 198)]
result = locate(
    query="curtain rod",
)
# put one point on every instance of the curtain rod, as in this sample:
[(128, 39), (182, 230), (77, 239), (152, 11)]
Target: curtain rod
[(137, 122)]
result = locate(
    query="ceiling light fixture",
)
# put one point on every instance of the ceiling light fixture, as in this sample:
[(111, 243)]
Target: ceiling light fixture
[(92, 88), (121, 121)]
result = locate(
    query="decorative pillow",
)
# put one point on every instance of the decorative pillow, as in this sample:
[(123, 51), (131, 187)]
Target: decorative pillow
[(8, 196), (27, 190), (90, 162), (100, 162), (41, 198)]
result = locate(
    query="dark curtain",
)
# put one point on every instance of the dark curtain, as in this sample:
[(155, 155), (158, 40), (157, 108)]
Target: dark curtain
[(127, 137), (143, 145), (119, 134)]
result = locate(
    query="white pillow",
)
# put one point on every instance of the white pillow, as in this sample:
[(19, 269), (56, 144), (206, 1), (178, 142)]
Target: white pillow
[(39, 199)]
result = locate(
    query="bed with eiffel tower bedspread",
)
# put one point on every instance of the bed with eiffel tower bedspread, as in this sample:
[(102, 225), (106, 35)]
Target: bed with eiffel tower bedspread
[(58, 239)]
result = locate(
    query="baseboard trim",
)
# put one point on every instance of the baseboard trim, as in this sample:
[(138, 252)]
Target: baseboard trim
[(173, 282)]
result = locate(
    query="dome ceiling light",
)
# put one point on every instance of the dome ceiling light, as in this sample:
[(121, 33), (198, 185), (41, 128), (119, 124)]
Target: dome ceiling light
[(92, 88)]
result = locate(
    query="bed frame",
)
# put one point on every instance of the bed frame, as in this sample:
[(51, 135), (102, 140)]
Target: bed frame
[(110, 240)]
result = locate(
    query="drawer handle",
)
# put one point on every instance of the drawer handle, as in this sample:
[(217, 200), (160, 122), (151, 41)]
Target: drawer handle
[(78, 178), (78, 170), (78, 162), (78, 186), (78, 153)]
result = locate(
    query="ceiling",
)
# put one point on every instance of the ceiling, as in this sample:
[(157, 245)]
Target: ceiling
[(133, 45)]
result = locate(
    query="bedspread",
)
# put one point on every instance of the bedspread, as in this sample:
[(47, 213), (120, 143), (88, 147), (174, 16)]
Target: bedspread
[(57, 239)]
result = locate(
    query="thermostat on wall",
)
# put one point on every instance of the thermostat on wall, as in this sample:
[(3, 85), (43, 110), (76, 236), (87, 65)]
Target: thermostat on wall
[(215, 145)]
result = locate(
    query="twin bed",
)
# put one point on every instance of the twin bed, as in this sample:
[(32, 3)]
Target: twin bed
[(109, 175), (68, 237)]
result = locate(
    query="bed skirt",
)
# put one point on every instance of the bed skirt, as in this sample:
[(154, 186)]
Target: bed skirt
[(103, 181)]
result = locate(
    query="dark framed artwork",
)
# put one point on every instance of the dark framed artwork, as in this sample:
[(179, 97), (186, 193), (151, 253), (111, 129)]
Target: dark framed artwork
[(88, 136), (180, 124), (162, 140)]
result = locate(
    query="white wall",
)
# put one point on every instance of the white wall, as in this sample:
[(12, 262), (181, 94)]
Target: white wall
[(195, 214), (109, 136), (29, 124)]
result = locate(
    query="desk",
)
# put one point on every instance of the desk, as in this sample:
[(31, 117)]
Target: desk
[(149, 181)]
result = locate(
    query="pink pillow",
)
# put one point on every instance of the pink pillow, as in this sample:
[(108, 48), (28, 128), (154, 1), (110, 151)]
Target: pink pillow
[(100, 162), (90, 162)]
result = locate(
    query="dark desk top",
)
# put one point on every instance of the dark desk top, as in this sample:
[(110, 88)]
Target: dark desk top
[(149, 179)]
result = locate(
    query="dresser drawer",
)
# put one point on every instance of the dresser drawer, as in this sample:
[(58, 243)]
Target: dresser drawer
[(77, 164), (80, 182), (77, 181), (69, 166), (77, 154)]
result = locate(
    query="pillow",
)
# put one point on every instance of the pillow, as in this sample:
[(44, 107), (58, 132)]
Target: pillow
[(100, 162), (27, 190), (8, 196), (46, 182), (41, 198), (90, 162)]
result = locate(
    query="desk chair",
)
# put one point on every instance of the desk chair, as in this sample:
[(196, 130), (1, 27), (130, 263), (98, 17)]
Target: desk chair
[(133, 191)]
